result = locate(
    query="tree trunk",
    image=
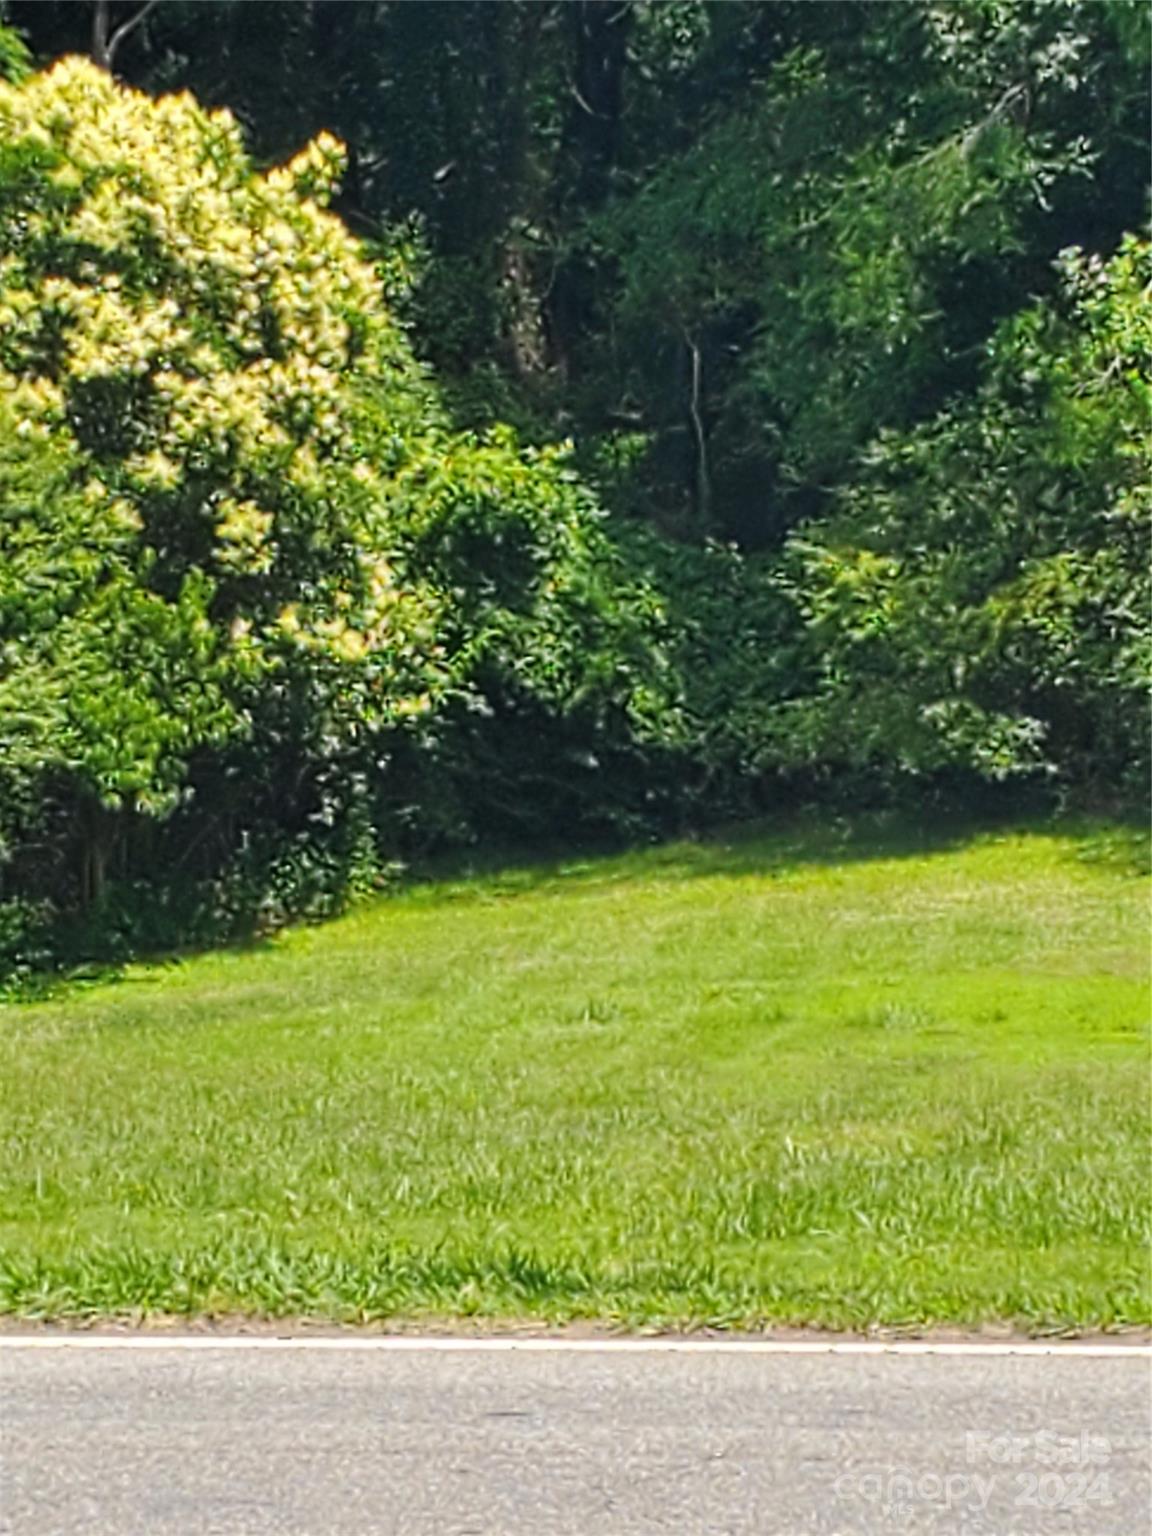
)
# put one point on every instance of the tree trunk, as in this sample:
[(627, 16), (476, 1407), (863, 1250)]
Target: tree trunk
[(100, 835), (703, 479), (101, 53)]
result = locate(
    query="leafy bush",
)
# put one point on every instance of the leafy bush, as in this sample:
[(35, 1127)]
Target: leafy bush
[(983, 599)]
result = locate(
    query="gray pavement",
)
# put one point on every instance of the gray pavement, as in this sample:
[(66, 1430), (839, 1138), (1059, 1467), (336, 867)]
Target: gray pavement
[(164, 1441)]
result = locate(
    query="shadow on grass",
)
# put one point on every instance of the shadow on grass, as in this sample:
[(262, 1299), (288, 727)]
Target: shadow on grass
[(69, 978), (770, 848), (1123, 846)]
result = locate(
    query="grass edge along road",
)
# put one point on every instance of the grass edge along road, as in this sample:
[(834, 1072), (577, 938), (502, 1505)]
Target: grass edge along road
[(840, 1075)]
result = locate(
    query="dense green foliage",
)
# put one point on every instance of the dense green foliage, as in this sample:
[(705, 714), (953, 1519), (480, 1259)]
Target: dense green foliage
[(243, 554), (982, 596), (825, 327), (725, 242)]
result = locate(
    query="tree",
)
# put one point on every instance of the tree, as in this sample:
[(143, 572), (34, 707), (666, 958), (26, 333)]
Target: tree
[(203, 356)]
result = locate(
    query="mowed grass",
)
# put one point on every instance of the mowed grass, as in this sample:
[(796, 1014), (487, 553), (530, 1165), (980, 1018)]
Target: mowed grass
[(832, 1074)]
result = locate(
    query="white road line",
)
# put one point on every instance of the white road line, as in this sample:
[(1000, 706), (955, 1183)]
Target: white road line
[(407, 1344)]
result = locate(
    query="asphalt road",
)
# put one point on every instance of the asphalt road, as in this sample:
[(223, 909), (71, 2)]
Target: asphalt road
[(170, 1441)]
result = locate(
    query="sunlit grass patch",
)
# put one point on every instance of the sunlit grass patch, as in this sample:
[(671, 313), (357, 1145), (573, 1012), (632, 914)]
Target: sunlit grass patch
[(835, 1074)]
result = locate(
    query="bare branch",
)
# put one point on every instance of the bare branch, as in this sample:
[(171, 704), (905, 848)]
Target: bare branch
[(104, 46)]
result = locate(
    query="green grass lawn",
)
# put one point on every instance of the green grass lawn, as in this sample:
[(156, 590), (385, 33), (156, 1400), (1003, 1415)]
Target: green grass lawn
[(836, 1074)]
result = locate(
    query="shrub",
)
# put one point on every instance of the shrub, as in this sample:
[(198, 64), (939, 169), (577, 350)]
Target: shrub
[(982, 599)]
